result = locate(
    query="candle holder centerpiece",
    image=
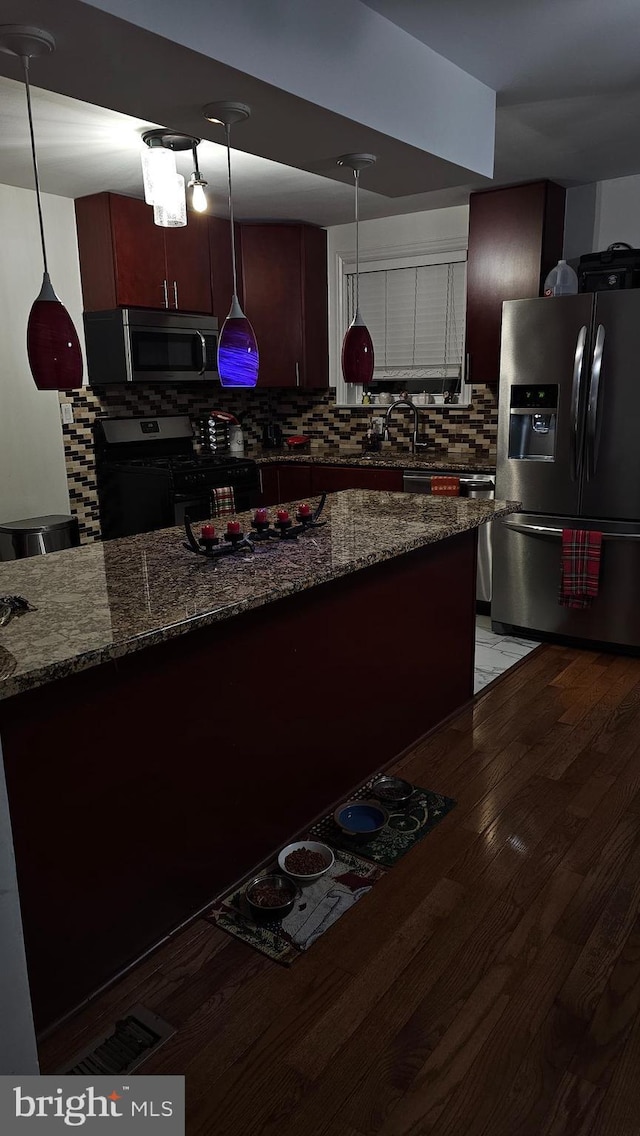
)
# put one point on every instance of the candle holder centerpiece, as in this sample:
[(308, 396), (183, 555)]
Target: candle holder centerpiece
[(235, 541)]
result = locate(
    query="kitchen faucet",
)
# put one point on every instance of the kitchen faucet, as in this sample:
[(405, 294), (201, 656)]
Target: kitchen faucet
[(412, 406)]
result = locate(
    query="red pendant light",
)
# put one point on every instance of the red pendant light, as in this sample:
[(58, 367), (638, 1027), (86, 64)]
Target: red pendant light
[(357, 346), (53, 346)]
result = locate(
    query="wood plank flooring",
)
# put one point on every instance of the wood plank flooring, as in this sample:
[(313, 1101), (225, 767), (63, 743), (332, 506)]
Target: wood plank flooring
[(488, 986)]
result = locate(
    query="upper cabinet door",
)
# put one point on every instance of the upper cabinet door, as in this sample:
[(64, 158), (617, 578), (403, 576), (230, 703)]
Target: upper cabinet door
[(283, 286), (315, 327), (138, 254), (189, 265), (515, 239), (272, 281), (126, 261)]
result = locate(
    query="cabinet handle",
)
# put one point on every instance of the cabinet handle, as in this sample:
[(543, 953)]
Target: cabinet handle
[(175, 293), (297, 374), (166, 293)]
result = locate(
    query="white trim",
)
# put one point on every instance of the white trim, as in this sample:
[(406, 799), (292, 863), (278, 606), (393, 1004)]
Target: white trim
[(416, 249), (376, 263)]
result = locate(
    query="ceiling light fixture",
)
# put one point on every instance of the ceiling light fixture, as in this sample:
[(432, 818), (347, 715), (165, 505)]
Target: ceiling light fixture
[(357, 346), (197, 184), (171, 213), (238, 358), (163, 185), (53, 346), (158, 168)]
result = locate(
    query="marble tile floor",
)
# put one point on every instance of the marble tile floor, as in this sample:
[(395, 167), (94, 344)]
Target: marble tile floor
[(495, 654)]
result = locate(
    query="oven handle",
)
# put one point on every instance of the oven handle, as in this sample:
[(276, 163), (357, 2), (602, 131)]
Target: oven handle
[(548, 530), (203, 349)]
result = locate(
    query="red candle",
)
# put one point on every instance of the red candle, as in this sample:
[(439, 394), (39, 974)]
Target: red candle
[(304, 511), (207, 532), (233, 527), (283, 515), (261, 517)]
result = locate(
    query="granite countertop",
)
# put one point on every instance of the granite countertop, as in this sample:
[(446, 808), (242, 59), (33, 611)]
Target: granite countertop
[(102, 601), (390, 457)]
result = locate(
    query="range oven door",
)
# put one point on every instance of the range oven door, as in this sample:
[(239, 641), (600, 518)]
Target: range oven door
[(198, 506), (195, 508), (526, 579), (172, 354)]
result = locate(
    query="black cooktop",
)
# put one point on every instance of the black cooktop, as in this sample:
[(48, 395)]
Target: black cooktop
[(183, 462)]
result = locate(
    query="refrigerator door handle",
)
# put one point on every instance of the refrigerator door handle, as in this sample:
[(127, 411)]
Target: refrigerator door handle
[(576, 388), (549, 530), (592, 404)]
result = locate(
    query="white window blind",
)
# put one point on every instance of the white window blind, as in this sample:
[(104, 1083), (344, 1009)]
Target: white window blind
[(415, 318)]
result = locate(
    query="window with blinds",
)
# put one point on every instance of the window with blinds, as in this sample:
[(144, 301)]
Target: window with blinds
[(415, 317)]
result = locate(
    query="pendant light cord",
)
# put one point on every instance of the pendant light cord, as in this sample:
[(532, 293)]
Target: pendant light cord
[(25, 64), (227, 131), (356, 175)]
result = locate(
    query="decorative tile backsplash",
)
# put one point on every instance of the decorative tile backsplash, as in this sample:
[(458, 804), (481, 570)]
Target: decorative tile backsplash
[(464, 430)]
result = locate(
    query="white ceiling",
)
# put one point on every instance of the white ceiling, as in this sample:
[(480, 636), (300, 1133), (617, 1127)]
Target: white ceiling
[(568, 85), (84, 149), (566, 75)]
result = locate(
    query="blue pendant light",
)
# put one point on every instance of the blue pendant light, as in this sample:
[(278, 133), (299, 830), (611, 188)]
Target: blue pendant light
[(238, 358)]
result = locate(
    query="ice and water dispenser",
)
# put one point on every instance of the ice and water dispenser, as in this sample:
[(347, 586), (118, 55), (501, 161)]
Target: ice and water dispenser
[(532, 422)]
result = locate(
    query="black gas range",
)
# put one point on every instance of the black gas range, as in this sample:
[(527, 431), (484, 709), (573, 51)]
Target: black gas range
[(149, 475)]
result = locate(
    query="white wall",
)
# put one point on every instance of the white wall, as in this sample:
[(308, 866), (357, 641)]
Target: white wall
[(32, 471), (389, 236), (617, 212)]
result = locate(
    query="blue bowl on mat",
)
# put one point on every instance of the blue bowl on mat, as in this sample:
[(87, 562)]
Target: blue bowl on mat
[(361, 820)]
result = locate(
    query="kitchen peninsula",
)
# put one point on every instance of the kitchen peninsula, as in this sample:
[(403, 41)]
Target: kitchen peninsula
[(167, 722)]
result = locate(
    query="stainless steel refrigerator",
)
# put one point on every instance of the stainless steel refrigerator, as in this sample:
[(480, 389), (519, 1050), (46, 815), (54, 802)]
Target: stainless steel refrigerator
[(569, 450)]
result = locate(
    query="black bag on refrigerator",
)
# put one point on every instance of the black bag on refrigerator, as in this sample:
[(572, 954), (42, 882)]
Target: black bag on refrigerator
[(617, 267)]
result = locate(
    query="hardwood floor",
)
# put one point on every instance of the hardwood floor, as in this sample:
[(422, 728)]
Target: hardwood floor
[(488, 986)]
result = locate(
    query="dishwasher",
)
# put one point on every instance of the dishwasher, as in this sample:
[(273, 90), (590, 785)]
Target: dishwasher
[(477, 485)]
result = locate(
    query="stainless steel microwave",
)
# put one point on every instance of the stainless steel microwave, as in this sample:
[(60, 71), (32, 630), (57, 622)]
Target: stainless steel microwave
[(134, 345)]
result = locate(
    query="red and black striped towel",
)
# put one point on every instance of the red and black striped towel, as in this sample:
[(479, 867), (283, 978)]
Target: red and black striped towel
[(580, 572)]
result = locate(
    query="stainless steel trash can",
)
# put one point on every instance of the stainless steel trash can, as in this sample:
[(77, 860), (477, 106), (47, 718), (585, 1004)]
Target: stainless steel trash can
[(37, 535), (482, 487)]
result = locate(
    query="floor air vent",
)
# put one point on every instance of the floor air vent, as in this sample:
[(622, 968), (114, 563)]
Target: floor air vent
[(124, 1048)]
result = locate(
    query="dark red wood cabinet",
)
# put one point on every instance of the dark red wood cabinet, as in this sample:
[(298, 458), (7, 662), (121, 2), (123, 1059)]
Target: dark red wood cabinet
[(515, 239), (128, 261), (284, 294), (332, 478), (123, 834), (285, 482)]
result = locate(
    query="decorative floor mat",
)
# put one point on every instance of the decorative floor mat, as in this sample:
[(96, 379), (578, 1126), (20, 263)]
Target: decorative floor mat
[(320, 905), (407, 825)]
